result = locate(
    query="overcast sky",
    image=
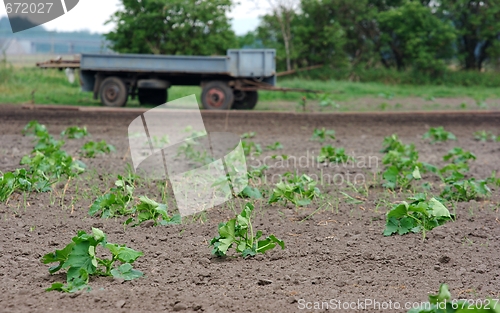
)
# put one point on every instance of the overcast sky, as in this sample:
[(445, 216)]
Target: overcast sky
[(92, 14)]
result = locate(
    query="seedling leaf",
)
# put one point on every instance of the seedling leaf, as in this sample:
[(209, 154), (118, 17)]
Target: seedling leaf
[(124, 254), (126, 272), (251, 192)]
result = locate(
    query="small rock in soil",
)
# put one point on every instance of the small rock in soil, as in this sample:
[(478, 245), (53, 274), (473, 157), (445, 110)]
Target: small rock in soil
[(179, 307), (481, 269), (74, 295), (118, 280), (120, 303), (147, 224), (444, 259), (264, 282)]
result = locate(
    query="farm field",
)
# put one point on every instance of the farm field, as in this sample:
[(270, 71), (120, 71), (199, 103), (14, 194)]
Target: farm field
[(335, 247)]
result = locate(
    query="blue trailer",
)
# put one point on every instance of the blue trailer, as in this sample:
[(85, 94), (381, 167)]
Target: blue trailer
[(228, 82)]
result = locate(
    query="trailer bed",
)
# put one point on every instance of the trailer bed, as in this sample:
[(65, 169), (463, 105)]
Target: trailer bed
[(255, 63)]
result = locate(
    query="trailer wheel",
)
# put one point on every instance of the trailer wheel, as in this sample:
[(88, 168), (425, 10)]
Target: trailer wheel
[(248, 102), (217, 95), (152, 96), (113, 92)]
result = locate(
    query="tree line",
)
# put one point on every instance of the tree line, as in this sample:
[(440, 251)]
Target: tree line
[(427, 36)]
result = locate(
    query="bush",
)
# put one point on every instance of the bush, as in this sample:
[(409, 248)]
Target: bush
[(408, 77)]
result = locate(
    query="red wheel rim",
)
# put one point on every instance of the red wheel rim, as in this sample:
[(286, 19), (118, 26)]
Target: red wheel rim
[(215, 98), (111, 93)]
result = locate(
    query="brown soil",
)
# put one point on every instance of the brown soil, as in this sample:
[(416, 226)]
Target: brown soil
[(336, 252), (380, 104)]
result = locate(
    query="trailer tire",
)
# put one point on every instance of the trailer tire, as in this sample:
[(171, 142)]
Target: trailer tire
[(217, 95), (113, 92), (152, 96), (248, 102)]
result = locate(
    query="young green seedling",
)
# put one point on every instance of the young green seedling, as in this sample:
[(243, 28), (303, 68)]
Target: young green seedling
[(148, 209), (326, 101), (75, 132), (299, 190), (251, 192), (442, 303), (460, 189), (457, 187), (437, 134), (248, 135), (81, 260), (116, 202), (322, 134), (402, 163), (119, 201), (484, 136), (239, 232), (333, 155), (251, 148), (417, 216), (275, 146), (46, 165), (91, 149), (257, 171)]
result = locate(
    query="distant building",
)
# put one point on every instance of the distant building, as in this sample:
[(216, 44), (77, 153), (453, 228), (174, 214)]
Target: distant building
[(40, 41), (13, 46)]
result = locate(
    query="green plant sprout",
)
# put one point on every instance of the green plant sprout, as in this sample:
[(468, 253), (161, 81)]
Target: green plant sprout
[(81, 260), (251, 192), (485, 136), (299, 190), (46, 165), (148, 209), (326, 101), (251, 148), (75, 132), (119, 201), (417, 216), (457, 187), (322, 134), (438, 134), (160, 142), (116, 202), (240, 233), (333, 155), (248, 135), (91, 148), (275, 146), (442, 303), (402, 163)]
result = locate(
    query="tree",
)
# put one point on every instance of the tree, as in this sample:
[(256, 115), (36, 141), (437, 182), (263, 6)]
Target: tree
[(284, 11), (478, 27), (189, 27), (350, 23), (415, 37), (319, 37)]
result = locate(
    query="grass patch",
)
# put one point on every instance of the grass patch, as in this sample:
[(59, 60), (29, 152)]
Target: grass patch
[(24, 85)]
